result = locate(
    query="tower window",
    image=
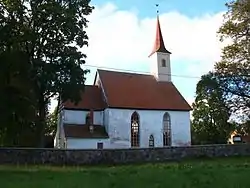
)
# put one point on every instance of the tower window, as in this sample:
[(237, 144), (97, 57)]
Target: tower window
[(163, 63)]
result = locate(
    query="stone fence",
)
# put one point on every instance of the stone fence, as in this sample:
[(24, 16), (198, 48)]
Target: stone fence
[(34, 156)]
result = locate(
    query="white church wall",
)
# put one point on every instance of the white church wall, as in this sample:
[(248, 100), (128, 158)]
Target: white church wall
[(75, 116), (106, 119), (151, 122), (98, 117), (161, 73), (59, 137), (79, 117), (86, 143)]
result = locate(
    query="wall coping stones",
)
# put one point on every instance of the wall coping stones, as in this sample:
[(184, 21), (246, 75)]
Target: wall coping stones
[(76, 157)]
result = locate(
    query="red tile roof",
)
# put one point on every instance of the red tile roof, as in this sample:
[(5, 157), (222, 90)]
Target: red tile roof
[(91, 99), (82, 131), (140, 91), (159, 45)]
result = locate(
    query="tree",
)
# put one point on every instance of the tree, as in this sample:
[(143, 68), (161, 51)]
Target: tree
[(234, 68), (51, 125), (244, 128), (210, 113), (50, 33), (17, 99)]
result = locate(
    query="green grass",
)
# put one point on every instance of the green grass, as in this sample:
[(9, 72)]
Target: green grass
[(221, 173)]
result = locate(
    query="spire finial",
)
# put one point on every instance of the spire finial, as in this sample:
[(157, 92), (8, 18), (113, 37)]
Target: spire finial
[(157, 8)]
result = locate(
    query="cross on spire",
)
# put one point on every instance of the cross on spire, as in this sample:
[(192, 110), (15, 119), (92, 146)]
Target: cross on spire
[(157, 10)]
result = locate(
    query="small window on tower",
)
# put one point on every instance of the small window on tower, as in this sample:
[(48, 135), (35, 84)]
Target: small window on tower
[(163, 63)]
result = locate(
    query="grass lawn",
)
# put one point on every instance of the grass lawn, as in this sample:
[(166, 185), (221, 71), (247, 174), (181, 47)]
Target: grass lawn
[(221, 173)]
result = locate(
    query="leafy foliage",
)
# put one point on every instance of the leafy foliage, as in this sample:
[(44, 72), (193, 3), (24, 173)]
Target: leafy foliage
[(40, 43), (210, 113), (234, 68), (18, 101), (51, 123), (244, 128)]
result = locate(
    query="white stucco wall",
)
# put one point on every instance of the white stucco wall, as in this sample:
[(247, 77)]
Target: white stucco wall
[(98, 117), (161, 73), (60, 136), (117, 123), (151, 122), (79, 117), (77, 143), (106, 119)]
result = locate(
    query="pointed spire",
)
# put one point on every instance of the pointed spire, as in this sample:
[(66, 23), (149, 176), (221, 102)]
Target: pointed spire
[(159, 43)]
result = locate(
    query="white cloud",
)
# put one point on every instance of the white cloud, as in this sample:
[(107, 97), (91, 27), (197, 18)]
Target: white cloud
[(120, 39)]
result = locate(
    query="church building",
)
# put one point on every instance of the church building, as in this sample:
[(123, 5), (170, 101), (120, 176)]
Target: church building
[(128, 110)]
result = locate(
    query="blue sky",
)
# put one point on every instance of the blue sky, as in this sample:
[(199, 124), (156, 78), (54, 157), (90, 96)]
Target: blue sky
[(121, 35), (191, 8)]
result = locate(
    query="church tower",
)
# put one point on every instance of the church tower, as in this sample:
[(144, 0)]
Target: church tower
[(160, 67)]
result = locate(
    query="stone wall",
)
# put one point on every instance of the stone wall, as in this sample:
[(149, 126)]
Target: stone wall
[(84, 157)]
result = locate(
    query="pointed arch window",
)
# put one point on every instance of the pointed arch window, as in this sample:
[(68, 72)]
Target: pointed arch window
[(151, 141), (135, 130), (166, 130)]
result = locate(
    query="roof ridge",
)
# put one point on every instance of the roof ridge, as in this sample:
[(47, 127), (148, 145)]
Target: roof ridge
[(124, 72), (88, 85), (140, 91)]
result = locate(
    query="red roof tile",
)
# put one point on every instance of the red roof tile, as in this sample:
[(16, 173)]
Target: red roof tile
[(82, 131), (91, 99), (139, 91), (159, 45)]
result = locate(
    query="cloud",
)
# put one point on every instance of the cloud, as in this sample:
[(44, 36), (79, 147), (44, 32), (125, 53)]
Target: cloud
[(119, 38), (122, 40)]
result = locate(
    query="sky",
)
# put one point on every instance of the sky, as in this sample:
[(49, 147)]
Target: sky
[(121, 36)]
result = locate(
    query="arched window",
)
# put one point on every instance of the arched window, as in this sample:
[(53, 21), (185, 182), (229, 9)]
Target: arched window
[(166, 130), (135, 130), (163, 63), (151, 141), (87, 119)]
